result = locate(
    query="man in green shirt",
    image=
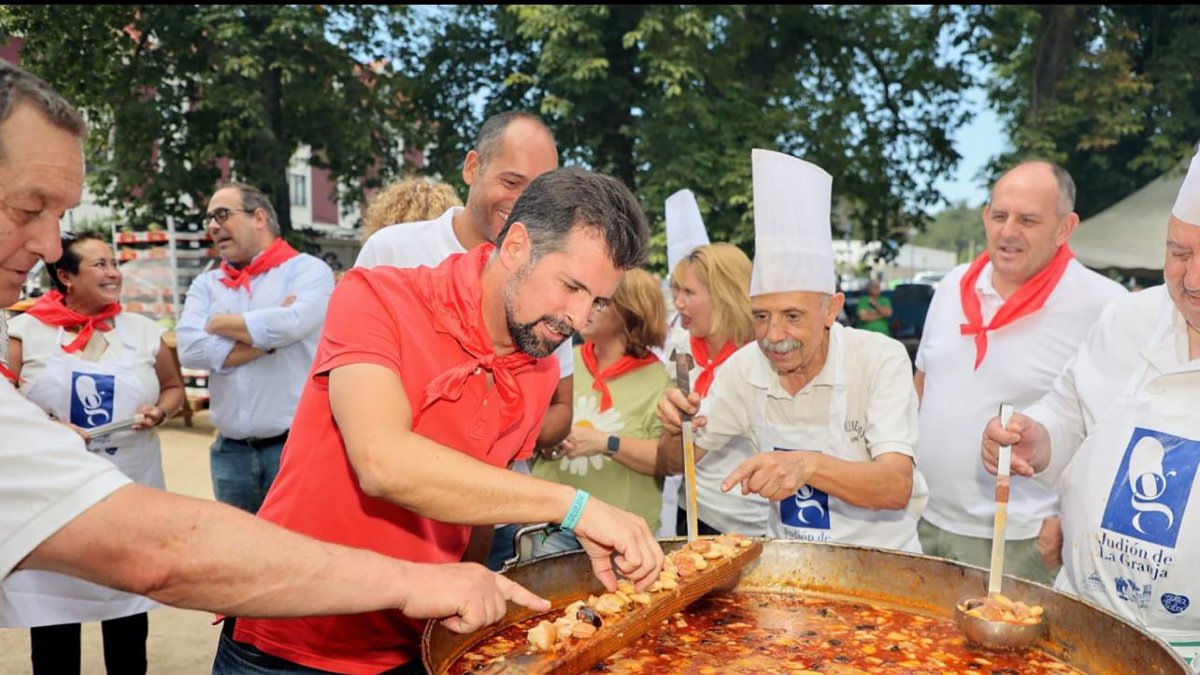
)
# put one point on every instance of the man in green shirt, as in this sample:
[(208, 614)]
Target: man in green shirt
[(874, 310)]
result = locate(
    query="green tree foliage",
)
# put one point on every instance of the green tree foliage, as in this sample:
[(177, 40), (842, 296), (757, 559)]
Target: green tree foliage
[(169, 89), (674, 96), (958, 228), (1112, 92)]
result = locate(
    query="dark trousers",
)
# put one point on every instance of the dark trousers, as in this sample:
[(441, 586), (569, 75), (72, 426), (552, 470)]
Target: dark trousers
[(55, 649), (703, 528), (237, 658)]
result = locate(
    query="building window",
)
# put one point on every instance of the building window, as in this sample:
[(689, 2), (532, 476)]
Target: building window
[(298, 189)]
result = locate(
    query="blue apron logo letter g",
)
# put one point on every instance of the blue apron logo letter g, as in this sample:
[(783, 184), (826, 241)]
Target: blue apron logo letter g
[(807, 508), (1151, 489), (91, 399)]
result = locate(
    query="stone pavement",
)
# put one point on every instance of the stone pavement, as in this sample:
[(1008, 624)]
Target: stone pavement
[(181, 642)]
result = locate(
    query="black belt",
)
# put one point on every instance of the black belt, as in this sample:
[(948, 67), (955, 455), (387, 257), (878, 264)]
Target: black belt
[(259, 443)]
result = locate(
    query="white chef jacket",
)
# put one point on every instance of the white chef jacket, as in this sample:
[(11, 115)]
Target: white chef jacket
[(1022, 360), (879, 415), (257, 399), (1124, 424)]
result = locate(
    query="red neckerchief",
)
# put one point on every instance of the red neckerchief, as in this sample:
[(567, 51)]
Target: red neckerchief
[(453, 294), (625, 364), (52, 311), (709, 368), (1028, 299), (272, 256), (7, 373)]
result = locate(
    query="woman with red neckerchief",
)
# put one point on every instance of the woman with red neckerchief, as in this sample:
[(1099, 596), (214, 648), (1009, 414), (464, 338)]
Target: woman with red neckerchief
[(611, 449), (711, 287), (87, 363)]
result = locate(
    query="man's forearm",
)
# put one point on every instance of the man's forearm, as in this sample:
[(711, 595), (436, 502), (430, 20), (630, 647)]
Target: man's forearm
[(242, 354), (231, 326), (204, 555), (555, 426), (881, 484), (430, 479)]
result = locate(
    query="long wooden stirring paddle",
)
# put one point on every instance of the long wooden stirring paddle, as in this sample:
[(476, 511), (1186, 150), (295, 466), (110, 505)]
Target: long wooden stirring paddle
[(1003, 473)]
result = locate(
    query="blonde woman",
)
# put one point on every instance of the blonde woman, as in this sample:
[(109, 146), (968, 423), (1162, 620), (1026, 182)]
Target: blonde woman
[(408, 201), (611, 449), (711, 289)]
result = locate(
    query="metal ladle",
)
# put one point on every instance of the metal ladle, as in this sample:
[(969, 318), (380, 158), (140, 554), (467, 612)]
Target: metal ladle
[(986, 632)]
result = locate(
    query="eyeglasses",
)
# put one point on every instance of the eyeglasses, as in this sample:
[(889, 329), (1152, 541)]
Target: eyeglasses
[(221, 215)]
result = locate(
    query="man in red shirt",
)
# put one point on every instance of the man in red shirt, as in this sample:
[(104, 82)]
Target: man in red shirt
[(426, 384)]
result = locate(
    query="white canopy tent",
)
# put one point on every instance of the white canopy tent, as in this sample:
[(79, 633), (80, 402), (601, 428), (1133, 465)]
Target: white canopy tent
[(1131, 234)]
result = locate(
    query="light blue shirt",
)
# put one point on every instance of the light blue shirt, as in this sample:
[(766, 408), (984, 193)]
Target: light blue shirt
[(257, 399)]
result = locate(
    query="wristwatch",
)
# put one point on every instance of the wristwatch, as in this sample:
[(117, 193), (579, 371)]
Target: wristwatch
[(614, 444)]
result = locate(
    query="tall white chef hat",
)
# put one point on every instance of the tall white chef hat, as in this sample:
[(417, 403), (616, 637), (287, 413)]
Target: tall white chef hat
[(685, 227), (793, 244), (1187, 204)]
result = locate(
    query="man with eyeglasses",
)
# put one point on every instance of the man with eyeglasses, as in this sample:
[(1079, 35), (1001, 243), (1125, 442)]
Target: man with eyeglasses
[(253, 323)]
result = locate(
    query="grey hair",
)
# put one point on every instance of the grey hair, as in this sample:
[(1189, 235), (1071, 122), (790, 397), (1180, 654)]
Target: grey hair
[(491, 134), (253, 198), (1066, 185), (17, 85), (558, 201)]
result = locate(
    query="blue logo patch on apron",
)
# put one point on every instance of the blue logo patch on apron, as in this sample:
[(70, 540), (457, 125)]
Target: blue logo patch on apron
[(1151, 489), (1174, 603), (808, 508), (92, 399)]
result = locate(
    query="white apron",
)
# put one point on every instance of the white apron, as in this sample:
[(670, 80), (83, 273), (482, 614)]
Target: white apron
[(1131, 540), (87, 394), (812, 514)]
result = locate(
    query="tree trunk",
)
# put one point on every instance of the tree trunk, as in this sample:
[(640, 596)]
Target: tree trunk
[(618, 132), (276, 162), (1055, 45)]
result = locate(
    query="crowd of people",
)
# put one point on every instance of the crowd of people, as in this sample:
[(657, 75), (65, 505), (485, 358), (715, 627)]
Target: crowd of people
[(381, 435)]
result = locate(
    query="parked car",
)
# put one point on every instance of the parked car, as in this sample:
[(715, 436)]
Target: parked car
[(932, 278)]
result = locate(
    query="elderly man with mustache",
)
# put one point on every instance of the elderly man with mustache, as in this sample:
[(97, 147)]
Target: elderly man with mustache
[(830, 410)]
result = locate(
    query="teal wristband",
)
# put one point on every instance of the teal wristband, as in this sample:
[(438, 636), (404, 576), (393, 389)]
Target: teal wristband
[(576, 510)]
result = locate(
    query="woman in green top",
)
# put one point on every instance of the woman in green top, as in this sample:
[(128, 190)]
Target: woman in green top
[(874, 310), (611, 449)]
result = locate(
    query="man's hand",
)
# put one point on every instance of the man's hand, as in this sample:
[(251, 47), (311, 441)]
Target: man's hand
[(467, 597), (1029, 440), (671, 403), (774, 475), (1050, 542), (604, 530)]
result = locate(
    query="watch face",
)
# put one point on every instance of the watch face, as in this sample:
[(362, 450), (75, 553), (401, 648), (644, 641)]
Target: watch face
[(614, 444)]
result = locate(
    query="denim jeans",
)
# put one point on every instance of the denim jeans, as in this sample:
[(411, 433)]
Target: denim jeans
[(555, 543), (237, 658), (502, 547), (241, 475)]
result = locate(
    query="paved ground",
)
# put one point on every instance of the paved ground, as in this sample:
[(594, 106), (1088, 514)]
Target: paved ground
[(181, 642)]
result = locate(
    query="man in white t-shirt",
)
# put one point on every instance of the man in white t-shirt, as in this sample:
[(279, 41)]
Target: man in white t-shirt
[(512, 149), (829, 411), (1026, 305), (65, 510)]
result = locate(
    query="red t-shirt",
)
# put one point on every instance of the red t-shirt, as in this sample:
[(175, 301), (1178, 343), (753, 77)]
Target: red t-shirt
[(376, 317)]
